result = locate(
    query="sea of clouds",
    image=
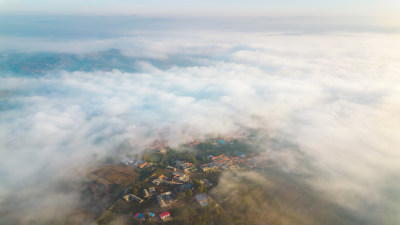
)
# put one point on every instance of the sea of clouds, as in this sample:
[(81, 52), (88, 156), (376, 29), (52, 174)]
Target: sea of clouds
[(335, 95)]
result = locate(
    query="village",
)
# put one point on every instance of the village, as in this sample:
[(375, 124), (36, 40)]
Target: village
[(172, 186)]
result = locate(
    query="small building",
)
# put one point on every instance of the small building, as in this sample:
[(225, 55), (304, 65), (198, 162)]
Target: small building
[(216, 158), (152, 190), (184, 187), (157, 181), (147, 193), (194, 143), (132, 198), (164, 215), (164, 199), (202, 199), (141, 166), (138, 163), (126, 162), (207, 183), (180, 176), (162, 150), (171, 168), (208, 167), (139, 216), (151, 214), (186, 166)]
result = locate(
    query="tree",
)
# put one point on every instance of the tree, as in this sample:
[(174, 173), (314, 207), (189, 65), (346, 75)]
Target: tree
[(194, 160), (188, 193), (201, 188), (218, 210)]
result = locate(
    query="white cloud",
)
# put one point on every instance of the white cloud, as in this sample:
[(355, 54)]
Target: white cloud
[(336, 96)]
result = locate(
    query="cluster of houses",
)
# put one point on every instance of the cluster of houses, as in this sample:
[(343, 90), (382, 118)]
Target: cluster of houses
[(224, 162), (159, 146), (246, 161), (167, 199), (149, 192), (164, 216), (164, 200), (140, 164), (217, 162), (177, 178), (185, 166)]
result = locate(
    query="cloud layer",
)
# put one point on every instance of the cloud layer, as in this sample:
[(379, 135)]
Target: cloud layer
[(335, 96)]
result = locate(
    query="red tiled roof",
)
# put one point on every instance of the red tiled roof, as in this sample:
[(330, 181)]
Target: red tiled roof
[(217, 157), (164, 214), (143, 165)]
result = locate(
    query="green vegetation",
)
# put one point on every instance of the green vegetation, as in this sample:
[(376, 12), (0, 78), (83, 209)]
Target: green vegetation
[(152, 157), (198, 154), (199, 186), (106, 218)]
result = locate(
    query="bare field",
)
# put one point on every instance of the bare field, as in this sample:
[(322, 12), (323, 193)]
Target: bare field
[(114, 174)]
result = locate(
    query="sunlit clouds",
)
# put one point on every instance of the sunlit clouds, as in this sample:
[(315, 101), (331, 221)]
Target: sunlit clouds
[(335, 96)]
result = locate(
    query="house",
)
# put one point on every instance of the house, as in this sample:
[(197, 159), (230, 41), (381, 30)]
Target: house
[(146, 193), (216, 158), (206, 182), (165, 215), (202, 199), (171, 168), (184, 187), (165, 199), (162, 150), (134, 198), (149, 192), (156, 145), (180, 176), (157, 181), (194, 143), (185, 166), (152, 190), (209, 167), (126, 162), (161, 201), (143, 165), (139, 216), (138, 163)]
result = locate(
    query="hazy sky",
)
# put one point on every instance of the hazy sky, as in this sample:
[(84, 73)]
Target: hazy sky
[(381, 8)]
